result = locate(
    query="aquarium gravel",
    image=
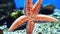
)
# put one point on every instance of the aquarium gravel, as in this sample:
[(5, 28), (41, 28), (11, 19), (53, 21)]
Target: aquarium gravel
[(44, 28)]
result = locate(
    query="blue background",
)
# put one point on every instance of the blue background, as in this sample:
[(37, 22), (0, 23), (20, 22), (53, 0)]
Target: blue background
[(56, 3)]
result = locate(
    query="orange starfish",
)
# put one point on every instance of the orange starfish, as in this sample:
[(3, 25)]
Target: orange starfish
[(31, 15)]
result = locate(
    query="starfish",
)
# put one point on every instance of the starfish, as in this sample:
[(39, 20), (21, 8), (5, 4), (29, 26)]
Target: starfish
[(31, 15)]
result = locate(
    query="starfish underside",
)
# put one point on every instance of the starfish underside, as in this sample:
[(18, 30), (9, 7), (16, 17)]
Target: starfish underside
[(31, 15)]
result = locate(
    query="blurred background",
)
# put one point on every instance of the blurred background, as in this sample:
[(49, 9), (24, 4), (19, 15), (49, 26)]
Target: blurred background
[(10, 10), (56, 3)]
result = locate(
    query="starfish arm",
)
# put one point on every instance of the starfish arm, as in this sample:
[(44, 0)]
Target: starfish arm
[(18, 22), (28, 7), (30, 27), (45, 18), (36, 6)]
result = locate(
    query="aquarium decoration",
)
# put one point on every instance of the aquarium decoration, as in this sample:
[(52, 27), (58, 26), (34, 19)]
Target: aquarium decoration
[(31, 15)]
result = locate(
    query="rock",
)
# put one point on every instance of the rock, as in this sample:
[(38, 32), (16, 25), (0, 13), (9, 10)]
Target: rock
[(39, 33), (48, 9)]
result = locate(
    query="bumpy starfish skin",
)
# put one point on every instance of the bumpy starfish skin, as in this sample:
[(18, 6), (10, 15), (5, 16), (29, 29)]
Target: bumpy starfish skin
[(36, 7), (28, 7), (21, 19), (31, 15)]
